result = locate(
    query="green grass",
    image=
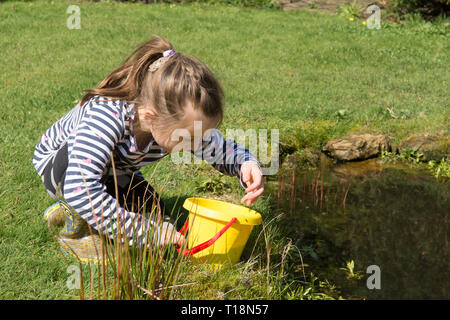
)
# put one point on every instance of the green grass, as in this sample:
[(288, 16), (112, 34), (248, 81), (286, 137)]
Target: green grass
[(291, 71)]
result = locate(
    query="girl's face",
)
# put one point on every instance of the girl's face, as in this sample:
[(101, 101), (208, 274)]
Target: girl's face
[(181, 136)]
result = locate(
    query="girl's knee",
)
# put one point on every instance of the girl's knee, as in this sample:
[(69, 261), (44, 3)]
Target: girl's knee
[(53, 195)]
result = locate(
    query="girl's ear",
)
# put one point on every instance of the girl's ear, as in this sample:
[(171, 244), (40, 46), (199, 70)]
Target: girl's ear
[(150, 114)]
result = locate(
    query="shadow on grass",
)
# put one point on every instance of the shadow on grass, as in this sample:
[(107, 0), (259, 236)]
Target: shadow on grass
[(175, 209)]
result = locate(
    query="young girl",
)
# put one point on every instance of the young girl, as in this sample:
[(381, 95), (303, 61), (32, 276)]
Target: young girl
[(125, 123)]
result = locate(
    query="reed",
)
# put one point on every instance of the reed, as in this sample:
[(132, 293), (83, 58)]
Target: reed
[(129, 269), (312, 189)]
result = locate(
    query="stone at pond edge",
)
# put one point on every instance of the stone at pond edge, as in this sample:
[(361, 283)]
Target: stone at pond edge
[(433, 146), (307, 156), (357, 146)]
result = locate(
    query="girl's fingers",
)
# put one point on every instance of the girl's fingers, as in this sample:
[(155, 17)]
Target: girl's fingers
[(246, 175), (252, 196), (244, 198), (179, 239), (172, 236), (252, 177), (257, 180), (256, 194)]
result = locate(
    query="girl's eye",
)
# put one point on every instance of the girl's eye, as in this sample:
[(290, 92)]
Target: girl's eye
[(183, 140)]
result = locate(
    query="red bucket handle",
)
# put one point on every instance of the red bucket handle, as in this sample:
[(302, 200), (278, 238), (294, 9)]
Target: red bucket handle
[(206, 244)]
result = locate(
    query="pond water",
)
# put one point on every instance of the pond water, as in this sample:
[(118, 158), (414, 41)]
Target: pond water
[(389, 216)]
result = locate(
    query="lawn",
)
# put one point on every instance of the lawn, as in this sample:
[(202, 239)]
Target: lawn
[(293, 71)]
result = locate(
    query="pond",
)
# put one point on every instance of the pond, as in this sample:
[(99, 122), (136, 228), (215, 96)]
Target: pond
[(373, 214)]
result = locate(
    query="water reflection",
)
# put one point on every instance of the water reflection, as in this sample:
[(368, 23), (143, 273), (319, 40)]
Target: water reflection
[(373, 214)]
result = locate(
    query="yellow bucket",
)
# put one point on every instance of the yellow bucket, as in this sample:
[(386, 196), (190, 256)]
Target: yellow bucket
[(218, 230)]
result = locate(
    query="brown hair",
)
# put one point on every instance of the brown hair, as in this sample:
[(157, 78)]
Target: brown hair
[(178, 80)]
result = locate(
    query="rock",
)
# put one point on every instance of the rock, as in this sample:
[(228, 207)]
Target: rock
[(357, 146), (307, 156), (433, 146), (311, 156)]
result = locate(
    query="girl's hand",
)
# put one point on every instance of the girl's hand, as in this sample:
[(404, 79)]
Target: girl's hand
[(253, 178), (171, 236)]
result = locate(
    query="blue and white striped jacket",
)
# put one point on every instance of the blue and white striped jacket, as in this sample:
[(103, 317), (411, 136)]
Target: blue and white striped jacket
[(102, 126)]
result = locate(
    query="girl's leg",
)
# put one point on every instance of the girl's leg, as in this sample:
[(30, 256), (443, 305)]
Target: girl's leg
[(55, 172), (61, 214), (133, 190), (53, 178), (135, 194)]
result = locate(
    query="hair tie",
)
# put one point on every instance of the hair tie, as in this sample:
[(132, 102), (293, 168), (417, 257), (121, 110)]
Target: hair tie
[(166, 55)]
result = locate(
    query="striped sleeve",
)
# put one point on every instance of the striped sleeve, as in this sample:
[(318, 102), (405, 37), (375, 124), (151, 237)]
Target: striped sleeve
[(100, 129), (227, 156)]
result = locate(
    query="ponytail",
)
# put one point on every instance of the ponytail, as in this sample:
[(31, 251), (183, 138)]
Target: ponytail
[(168, 88), (125, 82)]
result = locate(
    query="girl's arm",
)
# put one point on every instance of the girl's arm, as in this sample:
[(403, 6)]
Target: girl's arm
[(100, 129), (226, 156)]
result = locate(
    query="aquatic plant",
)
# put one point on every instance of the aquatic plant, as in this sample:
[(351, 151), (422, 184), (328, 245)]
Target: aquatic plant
[(440, 170)]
